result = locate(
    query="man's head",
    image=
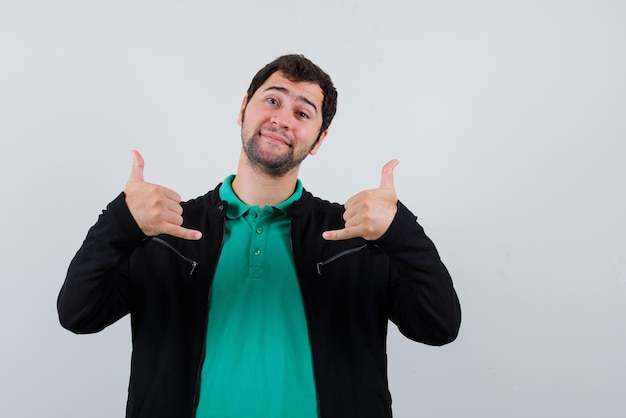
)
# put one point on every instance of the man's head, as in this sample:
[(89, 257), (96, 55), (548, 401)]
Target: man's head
[(285, 114), (298, 68)]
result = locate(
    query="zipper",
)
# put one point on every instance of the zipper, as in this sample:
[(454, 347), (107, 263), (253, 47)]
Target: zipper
[(194, 407), (193, 264), (336, 256), (306, 316)]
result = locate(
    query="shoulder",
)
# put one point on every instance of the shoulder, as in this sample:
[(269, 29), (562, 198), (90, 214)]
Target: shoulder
[(310, 204), (316, 214), (200, 205)]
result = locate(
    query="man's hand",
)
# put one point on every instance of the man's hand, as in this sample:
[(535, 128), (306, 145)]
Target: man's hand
[(369, 213), (155, 208)]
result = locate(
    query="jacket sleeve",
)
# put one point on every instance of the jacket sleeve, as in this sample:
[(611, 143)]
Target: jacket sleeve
[(422, 300), (95, 292)]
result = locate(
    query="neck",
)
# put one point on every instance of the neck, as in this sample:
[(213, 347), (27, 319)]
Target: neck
[(255, 188)]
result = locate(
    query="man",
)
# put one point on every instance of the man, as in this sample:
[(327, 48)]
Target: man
[(259, 299)]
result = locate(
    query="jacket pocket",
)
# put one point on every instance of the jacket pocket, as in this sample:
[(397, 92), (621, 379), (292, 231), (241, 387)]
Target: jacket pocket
[(190, 265), (322, 264)]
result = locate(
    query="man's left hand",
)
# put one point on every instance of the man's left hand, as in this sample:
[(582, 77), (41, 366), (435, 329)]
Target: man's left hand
[(369, 213)]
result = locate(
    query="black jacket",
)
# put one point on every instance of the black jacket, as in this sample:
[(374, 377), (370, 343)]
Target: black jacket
[(350, 290)]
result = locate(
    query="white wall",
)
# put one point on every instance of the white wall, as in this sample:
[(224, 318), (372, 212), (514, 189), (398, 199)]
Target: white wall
[(508, 118)]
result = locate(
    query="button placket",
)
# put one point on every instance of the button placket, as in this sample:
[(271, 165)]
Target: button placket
[(258, 244)]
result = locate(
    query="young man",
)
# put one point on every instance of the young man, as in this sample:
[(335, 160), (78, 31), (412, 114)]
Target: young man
[(259, 299)]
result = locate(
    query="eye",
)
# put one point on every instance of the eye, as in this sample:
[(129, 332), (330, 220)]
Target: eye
[(302, 115), (272, 101)]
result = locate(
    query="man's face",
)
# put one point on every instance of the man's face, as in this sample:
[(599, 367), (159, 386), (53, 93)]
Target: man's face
[(280, 124)]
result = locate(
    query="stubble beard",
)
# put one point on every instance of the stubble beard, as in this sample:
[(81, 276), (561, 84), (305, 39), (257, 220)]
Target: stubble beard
[(274, 164)]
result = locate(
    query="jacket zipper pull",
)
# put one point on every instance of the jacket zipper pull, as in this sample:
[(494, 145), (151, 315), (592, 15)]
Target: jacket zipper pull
[(194, 264), (319, 267)]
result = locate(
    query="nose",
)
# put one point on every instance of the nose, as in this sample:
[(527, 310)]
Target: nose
[(281, 118)]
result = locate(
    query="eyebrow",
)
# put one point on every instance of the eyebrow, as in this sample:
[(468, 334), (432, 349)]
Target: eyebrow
[(299, 98)]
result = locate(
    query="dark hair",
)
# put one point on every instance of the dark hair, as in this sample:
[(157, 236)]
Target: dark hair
[(298, 68)]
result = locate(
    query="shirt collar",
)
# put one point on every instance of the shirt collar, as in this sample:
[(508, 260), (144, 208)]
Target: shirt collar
[(237, 208)]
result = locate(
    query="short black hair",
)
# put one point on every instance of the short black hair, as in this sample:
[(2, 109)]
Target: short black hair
[(299, 68)]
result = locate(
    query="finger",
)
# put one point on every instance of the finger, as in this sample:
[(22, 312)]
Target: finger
[(340, 234), (171, 195), (172, 216), (174, 208), (184, 233), (136, 172), (386, 181), (352, 202)]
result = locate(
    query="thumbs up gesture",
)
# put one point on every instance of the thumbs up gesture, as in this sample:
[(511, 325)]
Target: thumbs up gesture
[(369, 213), (156, 209)]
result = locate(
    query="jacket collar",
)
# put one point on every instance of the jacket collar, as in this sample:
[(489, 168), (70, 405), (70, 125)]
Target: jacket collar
[(217, 207), (302, 206)]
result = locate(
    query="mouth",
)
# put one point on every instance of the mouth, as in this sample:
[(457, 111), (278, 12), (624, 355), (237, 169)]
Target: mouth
[(275, 138)]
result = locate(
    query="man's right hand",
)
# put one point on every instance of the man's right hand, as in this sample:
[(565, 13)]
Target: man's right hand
[(156, 209)]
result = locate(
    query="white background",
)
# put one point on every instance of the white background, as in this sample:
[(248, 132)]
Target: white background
[(508, 118)]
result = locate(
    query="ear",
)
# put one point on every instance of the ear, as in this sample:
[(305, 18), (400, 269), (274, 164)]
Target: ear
[(319, 143), (244, 102)]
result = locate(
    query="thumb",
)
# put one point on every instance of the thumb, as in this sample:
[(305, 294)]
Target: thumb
[(136, 172), (386, 181)]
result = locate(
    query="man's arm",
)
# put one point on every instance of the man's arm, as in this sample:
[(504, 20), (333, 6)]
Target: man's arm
[(423, 302), (95, 292)]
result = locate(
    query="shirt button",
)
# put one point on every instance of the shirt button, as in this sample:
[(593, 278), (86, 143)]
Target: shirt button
[(259, 230), (257, 252), (254, 214)]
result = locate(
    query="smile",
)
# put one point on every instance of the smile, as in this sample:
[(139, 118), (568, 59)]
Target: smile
[(275, 138)]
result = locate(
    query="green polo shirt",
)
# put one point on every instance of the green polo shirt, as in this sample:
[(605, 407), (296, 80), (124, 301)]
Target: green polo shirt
[(258, 357)]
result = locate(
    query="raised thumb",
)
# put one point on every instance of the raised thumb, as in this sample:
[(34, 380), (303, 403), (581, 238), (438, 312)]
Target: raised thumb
[(136, 172), (386, 180)]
